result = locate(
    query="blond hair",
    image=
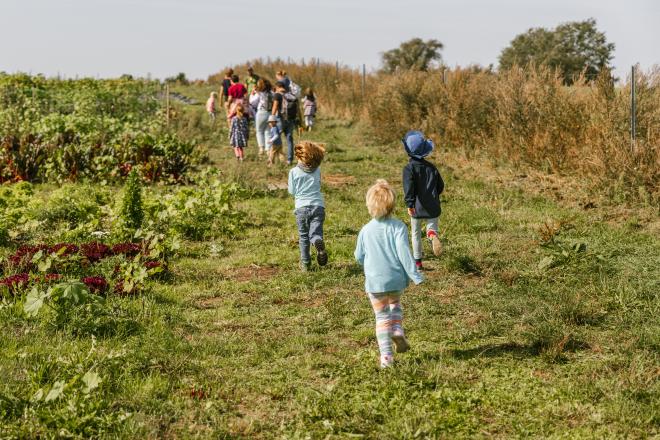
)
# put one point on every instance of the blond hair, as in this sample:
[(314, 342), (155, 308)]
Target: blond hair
[(309, 153), (240, 111), (380, 199), (214, 95)]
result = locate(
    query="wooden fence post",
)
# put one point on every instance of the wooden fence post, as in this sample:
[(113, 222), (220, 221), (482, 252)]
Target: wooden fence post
[(364, 79)]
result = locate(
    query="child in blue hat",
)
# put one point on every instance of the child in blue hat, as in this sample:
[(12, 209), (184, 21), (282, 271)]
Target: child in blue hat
[(422, 186)]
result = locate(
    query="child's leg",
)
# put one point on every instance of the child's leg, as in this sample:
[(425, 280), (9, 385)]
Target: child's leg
[(416, 236), (236, 153), (432, 234), (381, 304), (431, 226), (316, 220), (240, 152), (398, 336), (394, 299), (302, 220)]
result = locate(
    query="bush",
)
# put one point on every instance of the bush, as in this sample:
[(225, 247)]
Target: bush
[(53, 130), (131, 210), (526, 116)]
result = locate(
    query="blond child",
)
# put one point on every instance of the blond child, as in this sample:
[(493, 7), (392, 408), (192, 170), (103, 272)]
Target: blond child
[(382, 248), (305, 186), (211, 105), (238, 132)]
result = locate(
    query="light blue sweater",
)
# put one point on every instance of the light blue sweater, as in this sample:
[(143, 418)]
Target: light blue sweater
[(383, 250), (306, 187)]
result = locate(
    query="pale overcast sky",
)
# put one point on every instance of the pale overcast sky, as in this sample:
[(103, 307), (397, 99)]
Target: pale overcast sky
[(199, 37)]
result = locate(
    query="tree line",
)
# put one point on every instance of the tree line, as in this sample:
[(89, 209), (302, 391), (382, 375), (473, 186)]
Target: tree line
[(573, 48)]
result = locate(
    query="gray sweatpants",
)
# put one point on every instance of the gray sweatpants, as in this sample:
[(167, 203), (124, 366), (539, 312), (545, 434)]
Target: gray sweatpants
[(416, 233)]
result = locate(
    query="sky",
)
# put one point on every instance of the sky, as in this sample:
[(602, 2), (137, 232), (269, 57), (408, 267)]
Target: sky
[(107, 38)]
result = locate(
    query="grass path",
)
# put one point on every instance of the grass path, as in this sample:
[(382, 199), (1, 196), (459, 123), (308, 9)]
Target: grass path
[(500, 347), (536, 321)]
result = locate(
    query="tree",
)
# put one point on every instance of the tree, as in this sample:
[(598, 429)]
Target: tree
[(572, 47), (180, 79), (415, 54)]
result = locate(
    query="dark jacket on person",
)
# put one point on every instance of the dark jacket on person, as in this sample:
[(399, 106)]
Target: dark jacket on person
[(422, 186)]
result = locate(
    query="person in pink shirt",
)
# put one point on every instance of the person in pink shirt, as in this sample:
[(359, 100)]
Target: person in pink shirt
[(210, 105)]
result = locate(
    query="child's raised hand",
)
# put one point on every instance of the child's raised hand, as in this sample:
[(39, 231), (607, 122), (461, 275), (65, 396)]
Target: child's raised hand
[(411, 211)]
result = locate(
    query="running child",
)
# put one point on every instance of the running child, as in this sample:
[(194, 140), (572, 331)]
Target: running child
[(422, 186), (305, 186), (382, 248)]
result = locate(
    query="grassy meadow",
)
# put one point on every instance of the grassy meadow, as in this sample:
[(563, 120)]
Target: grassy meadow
[(539, 320)]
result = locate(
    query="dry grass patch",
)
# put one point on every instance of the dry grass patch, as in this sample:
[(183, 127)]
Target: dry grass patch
[(338, 180)]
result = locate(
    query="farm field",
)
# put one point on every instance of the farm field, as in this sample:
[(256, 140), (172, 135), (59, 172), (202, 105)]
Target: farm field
[(539, 319)]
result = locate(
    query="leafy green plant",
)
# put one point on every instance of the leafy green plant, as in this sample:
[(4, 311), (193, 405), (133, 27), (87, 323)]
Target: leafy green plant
[(198, 213), (54, 130), (131, 211), (64, 299)]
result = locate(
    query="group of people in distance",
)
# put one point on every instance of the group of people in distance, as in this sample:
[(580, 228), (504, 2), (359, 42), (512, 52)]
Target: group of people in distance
[(276, 109), (382, 244)]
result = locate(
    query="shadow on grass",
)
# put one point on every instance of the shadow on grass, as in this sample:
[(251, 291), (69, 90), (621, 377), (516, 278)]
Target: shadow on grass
[(520, 351), (512, 349)]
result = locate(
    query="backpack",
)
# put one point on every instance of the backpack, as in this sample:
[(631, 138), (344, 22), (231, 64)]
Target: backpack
[(269, 101), (289, 107), (295, 89)]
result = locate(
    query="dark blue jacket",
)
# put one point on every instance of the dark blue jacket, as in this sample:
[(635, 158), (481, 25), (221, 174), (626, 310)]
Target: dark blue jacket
[(422, 186)]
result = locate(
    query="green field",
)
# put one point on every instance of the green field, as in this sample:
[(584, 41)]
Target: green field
[(539, 320)]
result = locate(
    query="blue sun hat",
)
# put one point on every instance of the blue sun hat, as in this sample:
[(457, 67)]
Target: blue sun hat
[(416, 145)]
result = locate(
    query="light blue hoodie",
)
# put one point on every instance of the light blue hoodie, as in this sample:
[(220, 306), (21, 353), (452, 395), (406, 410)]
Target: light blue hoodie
[(306, 187), (383, 250)]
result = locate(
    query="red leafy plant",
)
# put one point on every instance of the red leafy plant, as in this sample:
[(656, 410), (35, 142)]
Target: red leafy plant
[(96, 284), (95, 251), (14, 283)]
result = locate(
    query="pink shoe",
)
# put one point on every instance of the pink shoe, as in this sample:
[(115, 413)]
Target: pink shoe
[(386, 361)]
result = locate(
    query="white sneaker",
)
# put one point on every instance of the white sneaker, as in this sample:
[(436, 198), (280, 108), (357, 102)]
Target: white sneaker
[(400, 342), (386, 361)]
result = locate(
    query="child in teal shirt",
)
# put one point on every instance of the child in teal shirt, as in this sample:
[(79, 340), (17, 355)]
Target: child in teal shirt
[(305, 186), (382, 248)]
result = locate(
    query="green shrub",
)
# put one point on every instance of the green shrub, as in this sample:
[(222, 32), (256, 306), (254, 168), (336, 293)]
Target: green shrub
[(71, 204), (53, 130), (131, 210)]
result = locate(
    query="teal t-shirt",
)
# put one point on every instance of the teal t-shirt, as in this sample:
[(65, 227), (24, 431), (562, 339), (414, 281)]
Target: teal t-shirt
[(383, 249), (306, 187)]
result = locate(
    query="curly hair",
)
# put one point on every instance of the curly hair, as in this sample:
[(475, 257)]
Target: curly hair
[(380, 199), (309, 153)]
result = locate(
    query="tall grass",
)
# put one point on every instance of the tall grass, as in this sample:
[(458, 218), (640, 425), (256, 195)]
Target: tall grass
[(527, 116), (524, 116)]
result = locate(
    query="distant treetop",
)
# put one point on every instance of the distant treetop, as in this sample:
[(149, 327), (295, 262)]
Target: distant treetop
[(572, 47), (415, 54)]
